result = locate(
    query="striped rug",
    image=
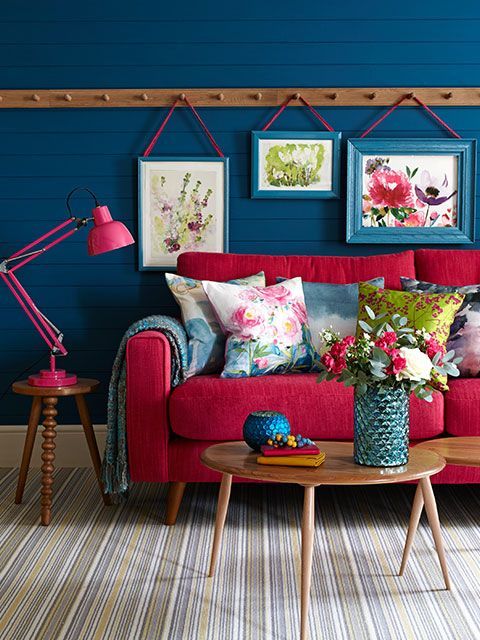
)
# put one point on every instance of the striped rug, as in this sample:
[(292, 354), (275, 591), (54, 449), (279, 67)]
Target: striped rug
[(116, 572)]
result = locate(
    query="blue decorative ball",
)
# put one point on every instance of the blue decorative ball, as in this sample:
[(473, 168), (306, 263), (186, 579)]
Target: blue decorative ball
[(262, 425)]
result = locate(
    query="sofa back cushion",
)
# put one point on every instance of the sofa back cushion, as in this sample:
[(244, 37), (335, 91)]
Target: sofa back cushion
[(333, 269), (454, 267)]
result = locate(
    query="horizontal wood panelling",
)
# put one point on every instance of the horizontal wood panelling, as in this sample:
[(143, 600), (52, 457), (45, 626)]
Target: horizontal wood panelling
[(225, 32), (46, 152)]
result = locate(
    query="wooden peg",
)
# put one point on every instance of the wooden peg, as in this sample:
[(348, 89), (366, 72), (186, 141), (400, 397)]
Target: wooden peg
[(144, 97), (296, 96), (106, 97), (372, 96), (221, 97), (333, 96), (1, 99), (67, 97), (449, 95), (36, 97), (182, 97), (258, 96)]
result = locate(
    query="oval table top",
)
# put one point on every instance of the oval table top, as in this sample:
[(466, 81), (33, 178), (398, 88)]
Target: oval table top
[(236, 458), (83, 385), (457, 450)]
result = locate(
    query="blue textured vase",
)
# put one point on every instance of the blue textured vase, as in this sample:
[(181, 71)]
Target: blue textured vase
[(381, 427), (262, 425)]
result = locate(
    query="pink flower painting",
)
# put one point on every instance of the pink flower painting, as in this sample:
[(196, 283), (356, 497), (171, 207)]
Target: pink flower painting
[(397, 194)]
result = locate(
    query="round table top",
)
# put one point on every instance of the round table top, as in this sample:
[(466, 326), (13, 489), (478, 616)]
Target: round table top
[(236, 458), (83, 385), (457, 451)]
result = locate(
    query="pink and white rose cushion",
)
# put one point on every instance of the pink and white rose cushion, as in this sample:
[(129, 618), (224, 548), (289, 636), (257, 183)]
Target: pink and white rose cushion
[(267, 327)]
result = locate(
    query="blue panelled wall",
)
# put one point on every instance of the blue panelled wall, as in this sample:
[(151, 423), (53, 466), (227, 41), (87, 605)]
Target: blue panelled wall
[(45, 153)]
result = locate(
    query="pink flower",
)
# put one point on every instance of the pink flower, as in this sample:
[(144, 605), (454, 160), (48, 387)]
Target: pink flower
[(349, 340), (249, 294), (390, 337), (366, 204), (338, 350), (390, 188), (434, 347), (276, 294), (328, 361), (291, 327), (261, 363), (247, 319), (398, 364), (300, 311), (339, 365), (415, 219), (434, 215)]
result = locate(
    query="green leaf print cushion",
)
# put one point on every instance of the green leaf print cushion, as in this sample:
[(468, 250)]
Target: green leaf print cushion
[(434, 312)]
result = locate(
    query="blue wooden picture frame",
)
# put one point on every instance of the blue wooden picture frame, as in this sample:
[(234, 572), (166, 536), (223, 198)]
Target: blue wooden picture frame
[(141, 231), (259, 192), (381, 148)]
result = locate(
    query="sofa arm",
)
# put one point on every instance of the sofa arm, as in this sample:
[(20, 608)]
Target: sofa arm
[(148, 391)]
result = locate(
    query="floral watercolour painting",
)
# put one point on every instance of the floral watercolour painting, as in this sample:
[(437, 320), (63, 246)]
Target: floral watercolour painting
[(295, 164), (183, 206), (411, 191)]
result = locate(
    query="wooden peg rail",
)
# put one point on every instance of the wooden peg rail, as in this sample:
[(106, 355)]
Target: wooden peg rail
[(270, 97)]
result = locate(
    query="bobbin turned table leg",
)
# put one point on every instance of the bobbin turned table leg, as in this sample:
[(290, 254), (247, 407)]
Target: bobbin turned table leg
[(48, 457)]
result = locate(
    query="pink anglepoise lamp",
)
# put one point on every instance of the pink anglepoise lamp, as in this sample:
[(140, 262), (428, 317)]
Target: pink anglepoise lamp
[(105, 235)]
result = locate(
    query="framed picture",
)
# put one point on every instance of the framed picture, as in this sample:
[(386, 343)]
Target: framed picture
[(295, 164), (411, 191), (182, 206)]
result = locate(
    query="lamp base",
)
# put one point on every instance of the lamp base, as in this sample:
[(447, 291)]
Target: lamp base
[(52, 378)]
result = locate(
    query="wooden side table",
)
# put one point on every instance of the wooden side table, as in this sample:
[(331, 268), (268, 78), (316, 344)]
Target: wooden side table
[(49, 397)]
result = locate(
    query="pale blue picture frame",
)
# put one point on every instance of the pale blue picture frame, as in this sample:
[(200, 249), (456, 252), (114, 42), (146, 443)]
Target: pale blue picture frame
[(334, 136), (463, 233), (141, 231)]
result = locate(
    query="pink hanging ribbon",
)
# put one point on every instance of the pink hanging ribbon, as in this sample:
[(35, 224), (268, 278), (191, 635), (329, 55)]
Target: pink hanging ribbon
[(282, 108), (153, 142), (421, 104)]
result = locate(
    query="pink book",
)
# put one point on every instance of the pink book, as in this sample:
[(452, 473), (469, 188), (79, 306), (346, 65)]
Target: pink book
[(268, 450)]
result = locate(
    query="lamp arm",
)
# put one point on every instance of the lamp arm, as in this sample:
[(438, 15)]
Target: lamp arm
[(47, 330)]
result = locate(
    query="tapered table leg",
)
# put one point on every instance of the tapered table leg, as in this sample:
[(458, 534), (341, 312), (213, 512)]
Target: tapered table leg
[(223, 500), (84, 414), (33, 423), (308, 524), (417, 508), (432, 514), (48, 457)]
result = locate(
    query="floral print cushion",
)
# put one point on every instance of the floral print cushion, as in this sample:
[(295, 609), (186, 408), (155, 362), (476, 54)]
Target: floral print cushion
[(464, 335), (206, 342), (432, 312), (266, 326)]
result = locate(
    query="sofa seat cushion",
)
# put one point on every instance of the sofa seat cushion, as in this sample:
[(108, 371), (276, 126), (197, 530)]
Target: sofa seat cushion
[(214, 408), (462, 407)]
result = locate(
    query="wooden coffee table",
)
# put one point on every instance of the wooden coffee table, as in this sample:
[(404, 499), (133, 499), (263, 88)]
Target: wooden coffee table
[(237, 459), (464, 452)]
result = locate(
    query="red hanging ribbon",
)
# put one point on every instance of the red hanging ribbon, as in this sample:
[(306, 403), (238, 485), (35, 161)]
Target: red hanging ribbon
[(421, 104), (285, 104), (149, 149)]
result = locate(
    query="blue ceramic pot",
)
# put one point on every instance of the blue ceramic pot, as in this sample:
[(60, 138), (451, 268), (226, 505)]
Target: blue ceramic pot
[(262, 425), (381, 427)]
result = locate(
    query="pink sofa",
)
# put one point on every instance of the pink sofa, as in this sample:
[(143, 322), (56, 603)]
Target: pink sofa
[(167, 429)]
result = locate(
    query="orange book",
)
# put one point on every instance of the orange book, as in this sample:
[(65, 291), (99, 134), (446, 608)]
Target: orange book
[(293, 461)]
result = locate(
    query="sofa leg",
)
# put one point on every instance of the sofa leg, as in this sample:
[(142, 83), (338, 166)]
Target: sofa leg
[(174, 498)]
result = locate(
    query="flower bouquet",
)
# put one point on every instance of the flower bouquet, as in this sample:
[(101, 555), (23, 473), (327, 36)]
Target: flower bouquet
[(385, 364)]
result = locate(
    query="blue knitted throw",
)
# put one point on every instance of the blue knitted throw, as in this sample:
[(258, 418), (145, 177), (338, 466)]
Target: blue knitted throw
[(115, 473)]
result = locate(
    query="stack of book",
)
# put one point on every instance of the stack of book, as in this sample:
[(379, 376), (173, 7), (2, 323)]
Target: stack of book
[(307, 456)]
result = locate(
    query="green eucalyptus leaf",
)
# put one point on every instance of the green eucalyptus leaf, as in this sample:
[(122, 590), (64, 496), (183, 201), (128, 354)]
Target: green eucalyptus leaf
[(365, 326), (370, 313)]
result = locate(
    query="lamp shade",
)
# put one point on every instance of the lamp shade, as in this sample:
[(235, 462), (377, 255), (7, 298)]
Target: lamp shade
[(107, 234)]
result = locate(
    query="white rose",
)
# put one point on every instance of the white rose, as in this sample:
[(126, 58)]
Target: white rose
[(419, 366)]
